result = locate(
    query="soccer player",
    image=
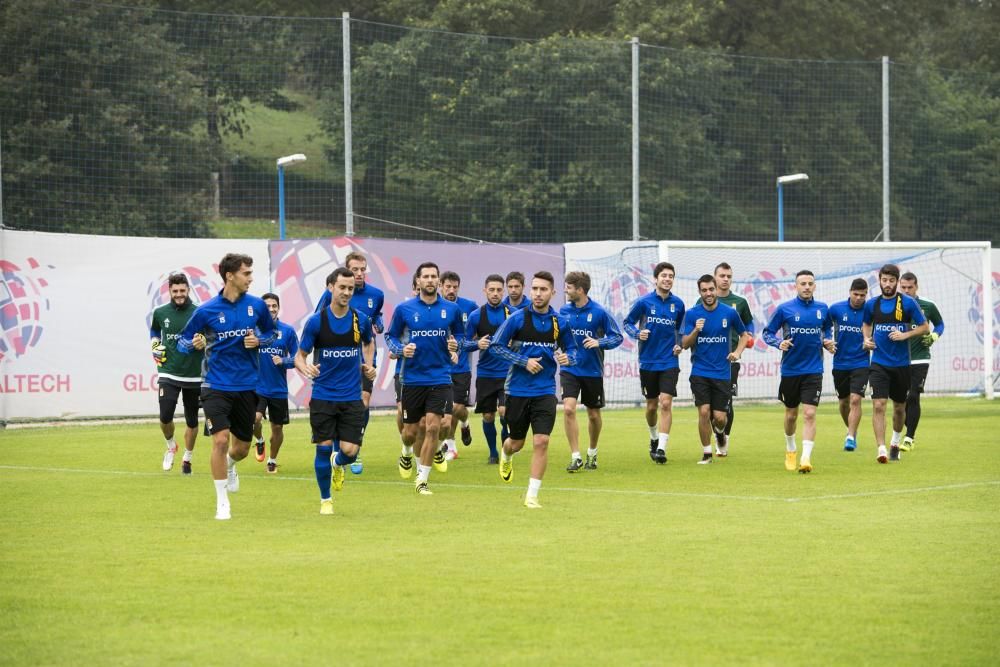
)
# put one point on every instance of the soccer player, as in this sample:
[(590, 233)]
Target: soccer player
[(177, 374), (461, 373), (529, 339), (272, 385), (708, 331), (340, 338), (369, 300), (920, 357), (595, 331), (225, 327), (802, 323), (515, 298), (886, 327), (655, 321), (491, 368), (850, 358), (724, 294), (432, 326)]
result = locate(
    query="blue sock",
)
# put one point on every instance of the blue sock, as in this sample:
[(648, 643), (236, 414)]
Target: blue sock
[(336, 445), (343, 459), (504, 433), (323, 469), (490, 431)]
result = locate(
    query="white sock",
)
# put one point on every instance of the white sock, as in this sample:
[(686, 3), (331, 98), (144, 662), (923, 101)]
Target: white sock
[(706, 449), (504, 456), (230, 463), (407, 450), (576, 456), (663, 439), (188, 455), (807, 449), (171, 443), (259, 441), (897, 437), (221, 495), (533, 486), (790, 443), (464, 423), (450, 442), (652, 432), (592, 452), (423, 472), (270, 460)]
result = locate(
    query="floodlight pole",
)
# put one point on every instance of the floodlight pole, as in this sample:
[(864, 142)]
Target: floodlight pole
[(791, 178), (283, 162)]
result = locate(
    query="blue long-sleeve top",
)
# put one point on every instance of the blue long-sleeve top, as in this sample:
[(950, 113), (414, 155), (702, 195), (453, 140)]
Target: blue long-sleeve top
[(273, 379), (844, 324), (591, 320), (428, 326), (468, 307), (490, 364), (663, 318), (528, 334), (805, 324)]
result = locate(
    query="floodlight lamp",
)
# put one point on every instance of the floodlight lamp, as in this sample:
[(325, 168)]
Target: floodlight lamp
[(289, 160), (792, 178)]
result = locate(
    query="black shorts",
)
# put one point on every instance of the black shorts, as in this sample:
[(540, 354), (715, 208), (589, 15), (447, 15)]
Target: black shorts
[(850, 382), (918, 376), (538, 412), (461, 383), (655, 383), (398, 388), (489, 394), (232, 410), (709, 391), (890, 382), (419, 401), (275, 409), (169, 393), (337, 420), (366, 384), (591, 389), (800, 389)]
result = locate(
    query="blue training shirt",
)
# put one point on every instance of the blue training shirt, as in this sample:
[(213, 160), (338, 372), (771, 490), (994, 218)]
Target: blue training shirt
[(710, 352), (490, 364), (594, 321), (467, 306), (428, 326), (845, 325), (525, 302), (805, 324), (663, 318), (337, 353), (273, 379), (894, 314), (528, 334), (228, 365)]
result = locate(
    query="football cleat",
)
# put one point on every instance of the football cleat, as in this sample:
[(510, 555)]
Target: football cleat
[(232, 480), (260, 451), (493, 460), (722, 452), (850, 444), (338, 478), (326, 506), (423, 490), (706, 458), (790, 461), (507, 469), (531, 502), (574, 465), (357, 467), (659, 456), (466, 436), (185, 467), (591, 463), (907, 444), (652, 449), (405, 466), (272, 467), (168, 457), (893, 452), (222, 513), (440, 462), (805, 465)]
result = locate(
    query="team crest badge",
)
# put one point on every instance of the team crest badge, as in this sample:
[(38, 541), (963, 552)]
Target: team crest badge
[(465, 317), (845, 317), (819, 315), (671, 308), (796, 318), (444, 314), (590, 317), (279, 335), (166, 323), (371, 303), (725, 322), (652, 311), (416, 317), (250, 311)]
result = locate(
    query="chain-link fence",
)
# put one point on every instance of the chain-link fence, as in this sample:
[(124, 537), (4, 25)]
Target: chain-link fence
[(135, 121)]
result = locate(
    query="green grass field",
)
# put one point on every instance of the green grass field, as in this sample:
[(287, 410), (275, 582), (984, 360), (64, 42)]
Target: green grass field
[(108, 560)]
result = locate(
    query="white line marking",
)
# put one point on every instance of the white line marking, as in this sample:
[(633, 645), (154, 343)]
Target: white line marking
[(623, 492)]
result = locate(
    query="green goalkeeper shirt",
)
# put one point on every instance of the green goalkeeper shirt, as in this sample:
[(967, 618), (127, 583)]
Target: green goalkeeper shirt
[(920, 353), (168, 322)]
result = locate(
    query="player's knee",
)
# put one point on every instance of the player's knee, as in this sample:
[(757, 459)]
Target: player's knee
[(540, 441)]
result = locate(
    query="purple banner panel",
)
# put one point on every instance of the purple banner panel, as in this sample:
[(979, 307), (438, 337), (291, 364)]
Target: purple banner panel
[(299, 269)]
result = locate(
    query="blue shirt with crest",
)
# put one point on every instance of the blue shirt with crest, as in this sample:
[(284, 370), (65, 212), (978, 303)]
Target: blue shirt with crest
[(663, 318), (710, 352), (428, 326), (591, 320), (273, 379)]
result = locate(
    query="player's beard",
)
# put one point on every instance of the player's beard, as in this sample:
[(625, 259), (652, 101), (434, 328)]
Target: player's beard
[(887, 294)]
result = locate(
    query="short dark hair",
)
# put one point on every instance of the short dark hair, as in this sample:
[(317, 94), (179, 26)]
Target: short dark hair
[(493, 278), (232, 262), (339, 272), (177, 279), (909, 275), (859, 284), (805, 272), (354, 255), (452, 276), (545, 275), (889, 270), (515, 275), (707, 278), (579, 279), (271, 295), (426, 265), (658, 269), (722, 265)]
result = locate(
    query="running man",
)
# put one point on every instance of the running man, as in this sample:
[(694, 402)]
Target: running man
[(804, 333), (432, 326), (709, 328), (225, 328), (272, 386), (461, 373), (534, 340), (920, 357), (340, 338), (515, 298), (595, 331), (177, 374), (655, 321), (850, 358), (724, 294), (491, 368), (890, 321)]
